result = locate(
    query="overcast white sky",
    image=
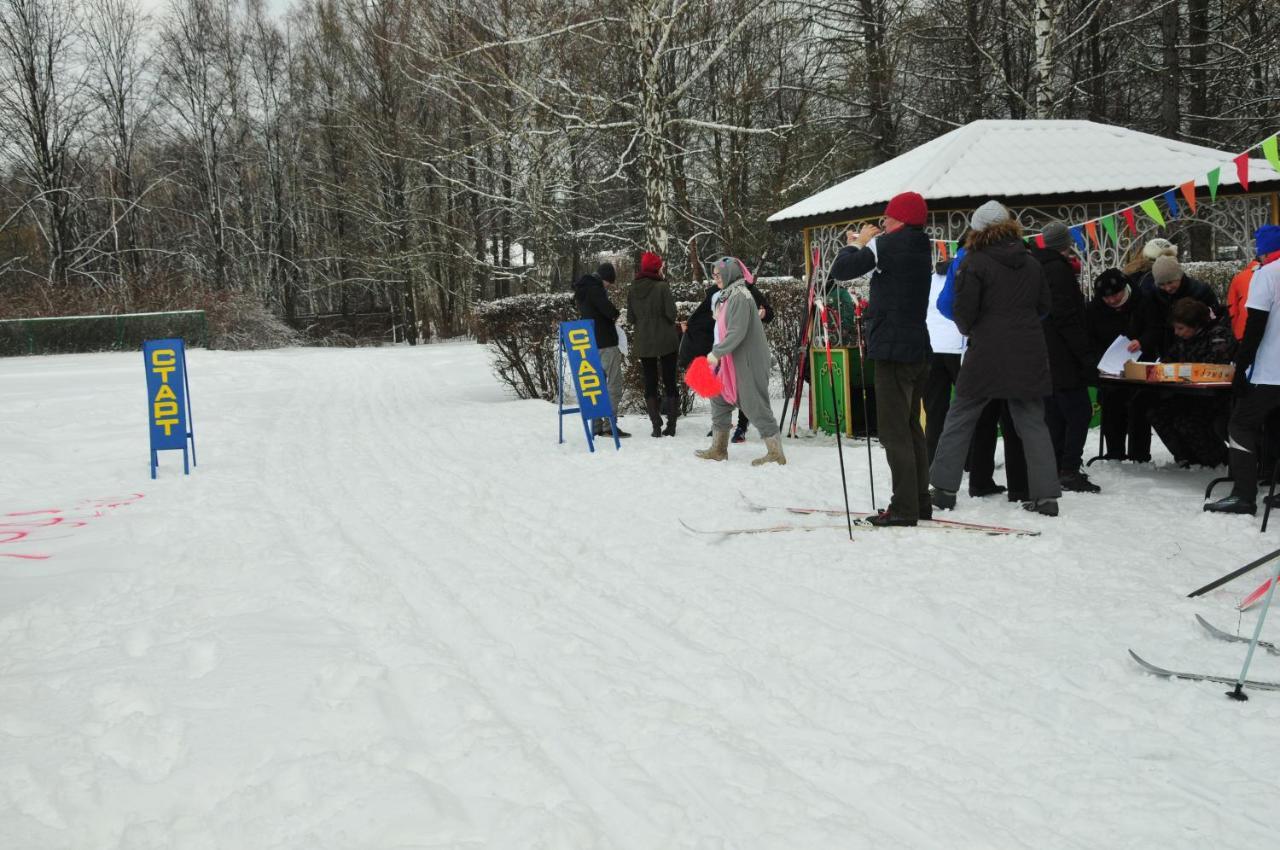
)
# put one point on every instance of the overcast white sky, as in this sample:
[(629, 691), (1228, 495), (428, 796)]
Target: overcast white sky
[(157, 7)]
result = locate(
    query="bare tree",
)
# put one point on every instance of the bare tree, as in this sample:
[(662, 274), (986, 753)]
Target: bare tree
[(41, 111)]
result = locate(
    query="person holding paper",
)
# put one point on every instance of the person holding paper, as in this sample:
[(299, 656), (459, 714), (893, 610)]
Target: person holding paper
[(1126, 434)]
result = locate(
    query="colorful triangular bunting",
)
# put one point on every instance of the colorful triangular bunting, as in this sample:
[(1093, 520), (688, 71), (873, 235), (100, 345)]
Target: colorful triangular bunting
[(1271, 149), (1172, 203), (1149, 207), (1077, 235), (1215, 177), (1091, 227), (1242, 170), (1127, 212), (1189, 194), (1109, 225)]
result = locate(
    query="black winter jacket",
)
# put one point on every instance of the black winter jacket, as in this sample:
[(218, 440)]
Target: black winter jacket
[(1001, 296), (1151, 321), (593, 303), (1214, 344), (1064, 329), (1105, 324), (895, 316), (700, 333)]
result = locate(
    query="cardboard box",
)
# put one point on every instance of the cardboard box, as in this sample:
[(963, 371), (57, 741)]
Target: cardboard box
[(1181, 373)]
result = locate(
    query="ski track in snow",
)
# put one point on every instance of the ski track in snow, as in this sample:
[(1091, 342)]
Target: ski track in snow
[(388, 611)]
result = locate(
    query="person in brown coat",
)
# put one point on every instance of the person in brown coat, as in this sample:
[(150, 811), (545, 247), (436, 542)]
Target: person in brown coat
[(652, 309), (1001, 297)]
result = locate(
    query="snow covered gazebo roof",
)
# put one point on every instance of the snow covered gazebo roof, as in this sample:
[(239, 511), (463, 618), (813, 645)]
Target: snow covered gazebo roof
[(1025, 163)]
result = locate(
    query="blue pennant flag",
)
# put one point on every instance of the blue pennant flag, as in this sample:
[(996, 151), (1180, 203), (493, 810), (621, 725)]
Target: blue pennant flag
[(1078, 235), (1172, 203)]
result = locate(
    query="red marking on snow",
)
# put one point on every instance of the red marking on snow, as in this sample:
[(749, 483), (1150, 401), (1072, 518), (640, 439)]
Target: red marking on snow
[(78, 517)]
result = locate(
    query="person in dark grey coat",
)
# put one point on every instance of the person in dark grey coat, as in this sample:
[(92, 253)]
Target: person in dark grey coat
[(652, 309), (1001, 296)]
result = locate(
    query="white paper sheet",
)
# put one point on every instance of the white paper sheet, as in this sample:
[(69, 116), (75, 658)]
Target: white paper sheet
[(622, 341), (1112, 363)]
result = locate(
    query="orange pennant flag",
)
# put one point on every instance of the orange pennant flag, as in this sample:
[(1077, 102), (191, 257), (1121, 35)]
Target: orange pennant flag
[(1189, 193), (1091, 227), (942, 251)]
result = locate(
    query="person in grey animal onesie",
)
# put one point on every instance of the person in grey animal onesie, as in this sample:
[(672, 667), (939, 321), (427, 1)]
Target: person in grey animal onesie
[(741, 356)]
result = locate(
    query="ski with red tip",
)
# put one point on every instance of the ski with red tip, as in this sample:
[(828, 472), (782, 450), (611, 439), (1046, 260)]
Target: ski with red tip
[(949, 524)]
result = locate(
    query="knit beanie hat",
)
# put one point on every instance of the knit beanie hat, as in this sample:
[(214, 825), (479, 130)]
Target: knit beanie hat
[(1110, 282), (990, 213), (1268, 239), (1165, 269), (1159, 248), (908, 208), (606, 272), (1056, 236), (730, 270), (650, 264)]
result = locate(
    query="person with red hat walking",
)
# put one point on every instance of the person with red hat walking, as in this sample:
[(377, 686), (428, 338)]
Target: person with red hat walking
[(900, 257), (652, 309)]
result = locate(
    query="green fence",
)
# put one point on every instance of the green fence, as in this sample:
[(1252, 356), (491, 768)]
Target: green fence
[(119, 332)]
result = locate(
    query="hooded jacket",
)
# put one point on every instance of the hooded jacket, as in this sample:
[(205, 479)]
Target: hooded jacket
[(652, 309), (1000, 296), (699, 333), (1064, 329), (593, 303)]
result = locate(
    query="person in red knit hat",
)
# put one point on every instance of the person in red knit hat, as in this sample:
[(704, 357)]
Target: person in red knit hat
[(897, 335), (652, 310)]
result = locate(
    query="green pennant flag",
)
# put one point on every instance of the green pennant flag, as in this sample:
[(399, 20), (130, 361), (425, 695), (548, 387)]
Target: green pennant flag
[(1109, 224), (1271, 147), (1214, 177), (1149, 207), (954, 246)]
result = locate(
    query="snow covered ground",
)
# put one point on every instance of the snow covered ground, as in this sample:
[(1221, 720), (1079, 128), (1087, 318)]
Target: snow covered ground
[(388, 611)]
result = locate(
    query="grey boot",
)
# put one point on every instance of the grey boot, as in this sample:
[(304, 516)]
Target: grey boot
[(654, 406), (719, 449), (774, 453), (671, 404)]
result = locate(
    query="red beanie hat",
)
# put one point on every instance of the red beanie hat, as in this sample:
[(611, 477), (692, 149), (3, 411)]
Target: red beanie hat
[(650, 264), (908, 208)]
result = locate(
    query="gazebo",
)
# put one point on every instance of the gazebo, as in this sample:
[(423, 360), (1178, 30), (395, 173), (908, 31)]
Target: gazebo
[(1072, 171)]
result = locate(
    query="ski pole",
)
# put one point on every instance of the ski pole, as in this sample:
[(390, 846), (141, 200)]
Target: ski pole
[(835, 406), (1234, 574), (1238, 693), (803, 341), (866, 410)]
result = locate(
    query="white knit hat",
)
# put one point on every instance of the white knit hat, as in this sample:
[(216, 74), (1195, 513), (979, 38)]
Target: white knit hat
[(1159, 247), (990, 213)]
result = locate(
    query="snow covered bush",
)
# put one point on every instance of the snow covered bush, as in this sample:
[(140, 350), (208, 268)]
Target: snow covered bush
[(239, 321), (522, 335), (1216, 274), (521, 332)]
